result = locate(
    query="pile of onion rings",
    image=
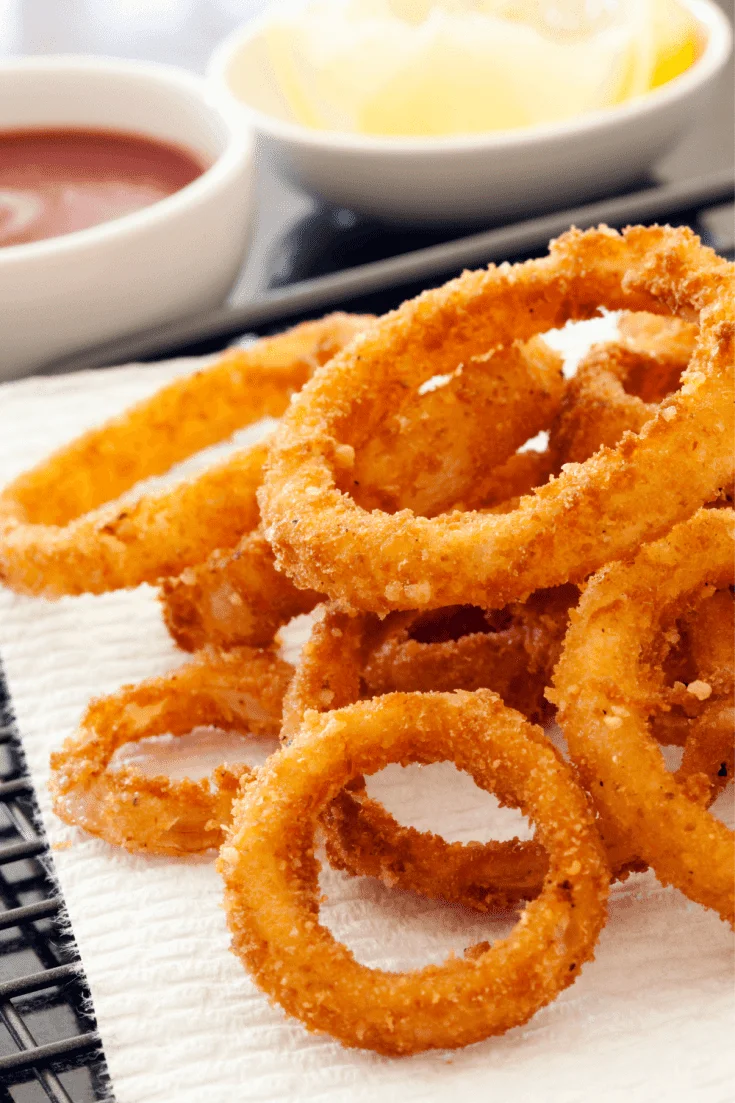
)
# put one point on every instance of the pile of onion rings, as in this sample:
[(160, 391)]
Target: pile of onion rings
[(468, 588)]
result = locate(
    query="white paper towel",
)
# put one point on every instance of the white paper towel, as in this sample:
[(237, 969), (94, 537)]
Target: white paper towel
[(652, 1018)]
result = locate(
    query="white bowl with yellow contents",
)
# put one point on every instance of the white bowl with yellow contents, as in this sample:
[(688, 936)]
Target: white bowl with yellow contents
[(485, 176)]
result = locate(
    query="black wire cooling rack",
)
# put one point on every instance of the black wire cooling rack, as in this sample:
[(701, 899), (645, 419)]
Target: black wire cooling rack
[(49, 1046)]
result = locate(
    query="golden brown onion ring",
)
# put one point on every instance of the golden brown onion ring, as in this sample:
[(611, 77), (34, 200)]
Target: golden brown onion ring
[(241, 691), (589, 515), (604, 690), (272, 892)]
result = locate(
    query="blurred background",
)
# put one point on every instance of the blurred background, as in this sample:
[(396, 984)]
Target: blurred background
[(296, 236), (182, 32)]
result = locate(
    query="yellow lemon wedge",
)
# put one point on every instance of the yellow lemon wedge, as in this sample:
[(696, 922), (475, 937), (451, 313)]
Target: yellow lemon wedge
[(447, 67)]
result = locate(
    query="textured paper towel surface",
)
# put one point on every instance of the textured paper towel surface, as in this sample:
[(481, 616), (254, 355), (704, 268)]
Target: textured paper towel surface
[(652, 1017)]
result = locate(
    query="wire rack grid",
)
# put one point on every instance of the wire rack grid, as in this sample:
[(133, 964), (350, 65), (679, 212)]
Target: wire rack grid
[(49, 1045)]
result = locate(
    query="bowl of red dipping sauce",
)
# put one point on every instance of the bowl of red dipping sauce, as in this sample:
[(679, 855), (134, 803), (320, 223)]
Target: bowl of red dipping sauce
[(125, 202)]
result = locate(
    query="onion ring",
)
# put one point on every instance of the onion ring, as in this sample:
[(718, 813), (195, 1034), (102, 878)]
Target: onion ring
[(61, 530), (379, 562), (603, 690), (361, 837), (240, 691), (271, 877)]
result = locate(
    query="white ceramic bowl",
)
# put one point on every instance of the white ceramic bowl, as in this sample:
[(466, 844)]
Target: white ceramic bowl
[(178, 255), (479, 177)]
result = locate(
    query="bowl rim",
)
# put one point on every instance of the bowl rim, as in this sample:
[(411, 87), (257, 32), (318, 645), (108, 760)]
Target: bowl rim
[(718, 45), (236, 155)]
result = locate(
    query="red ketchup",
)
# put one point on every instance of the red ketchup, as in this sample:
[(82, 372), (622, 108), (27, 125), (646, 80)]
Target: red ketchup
[(54, 182)]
